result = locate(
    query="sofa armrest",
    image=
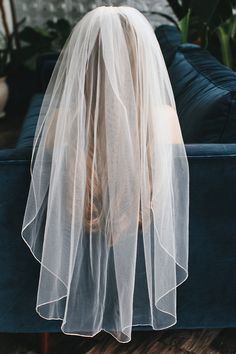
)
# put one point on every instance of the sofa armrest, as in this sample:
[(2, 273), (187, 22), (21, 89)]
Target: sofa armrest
[(14, 182), (19, 270), (14, 187), (15, 155), (211, 150), (211, 286)]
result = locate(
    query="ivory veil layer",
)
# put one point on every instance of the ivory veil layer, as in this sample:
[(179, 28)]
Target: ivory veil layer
[(107, 209)]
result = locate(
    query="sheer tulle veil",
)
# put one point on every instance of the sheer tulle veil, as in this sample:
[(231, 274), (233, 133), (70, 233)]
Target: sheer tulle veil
[(109, 168)]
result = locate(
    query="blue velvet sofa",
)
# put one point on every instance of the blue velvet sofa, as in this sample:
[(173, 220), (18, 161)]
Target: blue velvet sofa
[(205, 93)]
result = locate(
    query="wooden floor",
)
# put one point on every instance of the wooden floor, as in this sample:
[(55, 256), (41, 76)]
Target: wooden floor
[(214, 341)]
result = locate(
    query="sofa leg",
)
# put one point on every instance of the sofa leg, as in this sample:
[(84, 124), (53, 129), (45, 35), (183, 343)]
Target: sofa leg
[(45, 343)]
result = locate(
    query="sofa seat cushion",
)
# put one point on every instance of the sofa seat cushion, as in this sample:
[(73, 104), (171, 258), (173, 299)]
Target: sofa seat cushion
[(205, 93), (29, 125)]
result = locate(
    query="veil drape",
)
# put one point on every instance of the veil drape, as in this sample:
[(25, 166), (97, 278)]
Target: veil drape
[(109, 168)]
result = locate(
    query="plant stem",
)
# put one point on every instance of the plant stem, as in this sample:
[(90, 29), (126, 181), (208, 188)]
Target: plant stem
[(14, 21), (225, 47), (4, 21), (184, 26)]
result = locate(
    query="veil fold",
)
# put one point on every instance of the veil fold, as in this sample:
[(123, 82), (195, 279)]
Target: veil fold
[(109, 179)]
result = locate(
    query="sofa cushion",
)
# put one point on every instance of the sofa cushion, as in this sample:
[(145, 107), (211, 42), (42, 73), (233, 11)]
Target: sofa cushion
[(169, 38), (205, 93), (204, 90), (29, 125)]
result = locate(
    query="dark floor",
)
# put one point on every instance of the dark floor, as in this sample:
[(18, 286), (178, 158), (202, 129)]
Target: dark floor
[(207, 341)]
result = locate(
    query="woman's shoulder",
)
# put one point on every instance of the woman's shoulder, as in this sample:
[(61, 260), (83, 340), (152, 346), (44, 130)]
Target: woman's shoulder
[(173, 123)]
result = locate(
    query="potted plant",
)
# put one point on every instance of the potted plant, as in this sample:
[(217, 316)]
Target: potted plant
[(37, 40)]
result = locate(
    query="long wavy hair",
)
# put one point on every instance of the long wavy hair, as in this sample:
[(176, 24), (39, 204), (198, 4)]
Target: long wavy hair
[(95, 69)]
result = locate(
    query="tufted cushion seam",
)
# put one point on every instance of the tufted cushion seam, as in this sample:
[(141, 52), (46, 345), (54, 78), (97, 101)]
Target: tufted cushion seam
[(185, 54)]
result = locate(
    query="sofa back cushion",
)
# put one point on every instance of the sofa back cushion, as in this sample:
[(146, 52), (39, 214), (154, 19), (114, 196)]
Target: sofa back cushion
[(204, 90), (169, 39), (45, 66)]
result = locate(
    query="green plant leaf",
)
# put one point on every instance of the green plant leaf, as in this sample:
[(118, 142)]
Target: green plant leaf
[(184, 26), (226, 52)]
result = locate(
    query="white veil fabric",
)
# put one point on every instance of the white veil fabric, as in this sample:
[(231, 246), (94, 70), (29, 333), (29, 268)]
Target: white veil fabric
[(109, 168)]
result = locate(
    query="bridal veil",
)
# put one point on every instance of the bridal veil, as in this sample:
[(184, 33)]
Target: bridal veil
[(109, 168)]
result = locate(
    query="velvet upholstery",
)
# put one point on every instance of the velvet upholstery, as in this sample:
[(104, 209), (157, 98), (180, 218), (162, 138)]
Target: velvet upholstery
[(169, 39), (205, 300), (30, 122), (204, 90)]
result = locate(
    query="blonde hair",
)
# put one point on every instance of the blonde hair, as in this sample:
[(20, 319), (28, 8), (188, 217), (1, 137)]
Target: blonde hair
[(96, 61)]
